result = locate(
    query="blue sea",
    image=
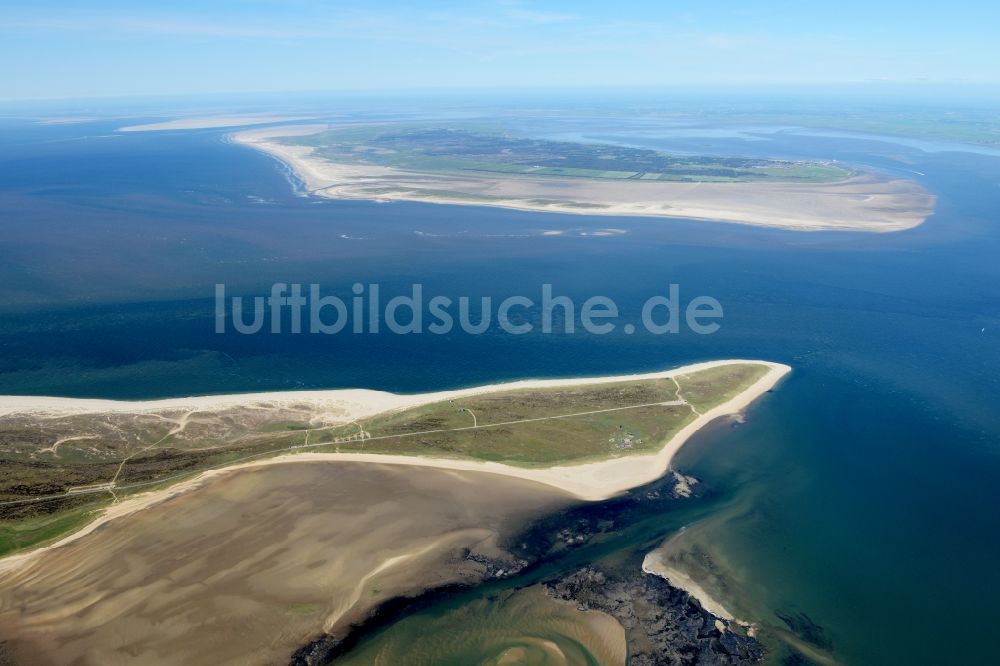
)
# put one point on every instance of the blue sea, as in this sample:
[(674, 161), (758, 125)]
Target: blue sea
[(862, 492)]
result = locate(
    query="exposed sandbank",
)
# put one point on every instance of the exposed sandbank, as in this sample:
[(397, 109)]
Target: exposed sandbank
[(250, 567), (654, 564)]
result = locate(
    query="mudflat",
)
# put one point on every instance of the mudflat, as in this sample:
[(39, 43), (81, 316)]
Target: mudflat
[(250, 567)]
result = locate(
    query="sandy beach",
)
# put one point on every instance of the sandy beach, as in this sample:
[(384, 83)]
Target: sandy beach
[(864, 203), (587, 481), (655, 564), (344, 404)]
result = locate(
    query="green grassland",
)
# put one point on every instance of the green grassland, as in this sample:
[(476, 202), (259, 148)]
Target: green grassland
[(47, 525), (707, 388), (457, 150), (140, 452)]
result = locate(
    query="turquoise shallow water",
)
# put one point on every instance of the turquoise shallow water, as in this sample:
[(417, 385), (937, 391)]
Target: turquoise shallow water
[(860, 494)]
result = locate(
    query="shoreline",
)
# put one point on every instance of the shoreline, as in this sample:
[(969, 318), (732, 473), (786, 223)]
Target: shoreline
[(653, 564), (356, 402), (593, 481), (859, 203)]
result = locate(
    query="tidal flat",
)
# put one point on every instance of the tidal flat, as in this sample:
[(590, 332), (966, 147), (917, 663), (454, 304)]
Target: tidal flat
[(259, 562)]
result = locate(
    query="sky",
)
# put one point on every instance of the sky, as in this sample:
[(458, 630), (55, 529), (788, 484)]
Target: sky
[(56, 49)]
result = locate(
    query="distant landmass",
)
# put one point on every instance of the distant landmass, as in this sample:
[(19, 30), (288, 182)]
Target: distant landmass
[(463, 165)]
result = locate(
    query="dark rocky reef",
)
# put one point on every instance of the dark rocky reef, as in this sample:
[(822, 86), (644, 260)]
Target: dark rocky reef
[(663, 625), (320, 651)]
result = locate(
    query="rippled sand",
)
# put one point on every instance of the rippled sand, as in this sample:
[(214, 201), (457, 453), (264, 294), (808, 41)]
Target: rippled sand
[(526, 628), (250, 567)]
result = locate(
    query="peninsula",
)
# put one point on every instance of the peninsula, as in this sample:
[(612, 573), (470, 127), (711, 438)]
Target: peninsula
[(592, 438)]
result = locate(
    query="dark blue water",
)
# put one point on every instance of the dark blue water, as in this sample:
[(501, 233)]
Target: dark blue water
[(868, 479)]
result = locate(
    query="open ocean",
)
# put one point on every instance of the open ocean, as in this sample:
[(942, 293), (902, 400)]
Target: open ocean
[(860, 495)]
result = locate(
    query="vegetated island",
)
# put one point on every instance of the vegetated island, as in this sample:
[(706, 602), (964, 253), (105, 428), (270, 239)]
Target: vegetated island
[(299, 513), (456, 165)]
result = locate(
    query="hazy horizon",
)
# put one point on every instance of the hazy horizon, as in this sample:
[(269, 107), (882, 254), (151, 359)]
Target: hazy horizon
[(114, 48)]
